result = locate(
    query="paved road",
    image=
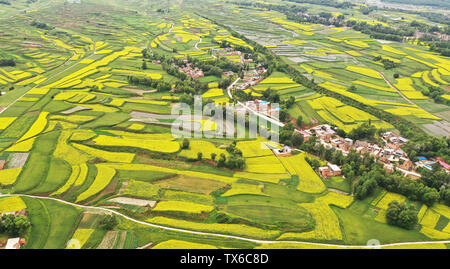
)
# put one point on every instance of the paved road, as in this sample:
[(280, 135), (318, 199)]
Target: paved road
[(107, 210), (271, 120)]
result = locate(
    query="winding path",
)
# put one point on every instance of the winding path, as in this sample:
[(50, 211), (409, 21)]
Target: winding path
[(221, 235), (402, 95), (274, 121), (196, 44), (395, 88)]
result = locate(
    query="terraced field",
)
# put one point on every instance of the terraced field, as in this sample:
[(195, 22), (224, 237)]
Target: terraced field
[(85, 126)]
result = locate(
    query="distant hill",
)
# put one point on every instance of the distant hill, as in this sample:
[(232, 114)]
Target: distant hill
[(434, 3)]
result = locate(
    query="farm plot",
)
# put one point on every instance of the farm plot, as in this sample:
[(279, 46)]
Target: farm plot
[(103, 178), (9, 176), (182, 206), (11, 204), (179, 244), (405, 85), (387, 198), (327, 226), (364, 71), (160, 145), (309, 181), (231, 229), (266, 164), (255, 148), (242, 188), (205, 147)]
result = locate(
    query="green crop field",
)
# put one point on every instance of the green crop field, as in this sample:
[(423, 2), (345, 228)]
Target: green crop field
[(91, 151)]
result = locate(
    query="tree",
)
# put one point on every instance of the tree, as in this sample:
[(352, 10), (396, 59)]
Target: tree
[(7, 62), (445, 196), (283, 116), (222, 160), (14, 226), (185, 144), (431, 197), (299, 121), (109, 222), (213, 156), (286, 133), (22, 224), (401, 215), (144, 65), (297, 139), (199, 156)]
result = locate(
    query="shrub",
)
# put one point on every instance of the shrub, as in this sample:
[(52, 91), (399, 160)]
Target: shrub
[(185, 143), (108, 223)]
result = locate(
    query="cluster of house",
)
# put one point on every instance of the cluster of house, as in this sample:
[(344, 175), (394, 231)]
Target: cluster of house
[(252, 78), (391, 154), (16, 242), (230, 52), (429, 164), (261, 106), (191, 71)]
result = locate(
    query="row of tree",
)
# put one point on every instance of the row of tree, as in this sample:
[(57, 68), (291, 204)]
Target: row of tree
[(159, 85), (7, 62)]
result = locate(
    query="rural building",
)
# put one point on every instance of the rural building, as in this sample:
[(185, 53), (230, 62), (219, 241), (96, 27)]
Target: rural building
[(15, 243), (2, 164), (306, 135), (331, 170), (22, 212), (285, 151), (324, 132)]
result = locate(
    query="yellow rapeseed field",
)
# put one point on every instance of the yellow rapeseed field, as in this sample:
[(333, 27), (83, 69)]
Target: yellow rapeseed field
[(119, 157), (9, 176), (166, 146), (336, 199), (205, 147), (233, 229), (309, 181), (183, 206), (178, 244), (364, 71), (103, 178), (430, 219), (241, 188), (327, 224), (11, 204), (434, 234), (6, 121), (82, 236), (37, 127), (388, 198)]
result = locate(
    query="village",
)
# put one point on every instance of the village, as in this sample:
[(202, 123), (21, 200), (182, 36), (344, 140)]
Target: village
[(391, 154)]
